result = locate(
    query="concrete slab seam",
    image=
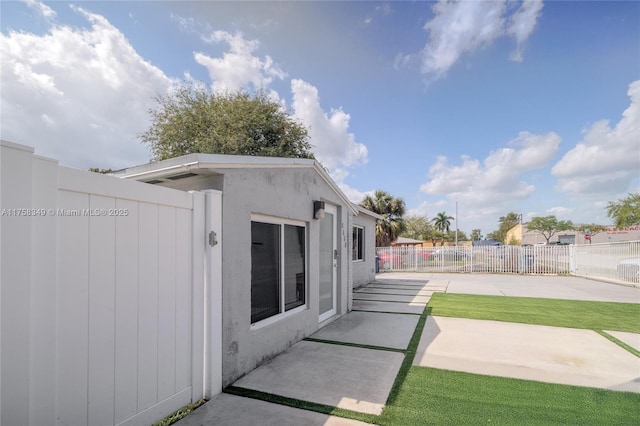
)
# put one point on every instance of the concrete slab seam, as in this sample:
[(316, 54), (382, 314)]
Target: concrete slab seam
[(300, 404), (389, 301), (618, 342), (355, 345), (386, 312)]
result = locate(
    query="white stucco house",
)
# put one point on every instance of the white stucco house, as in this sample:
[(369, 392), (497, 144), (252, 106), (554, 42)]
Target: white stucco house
[(293, 247), (364, 247), (127, 297)]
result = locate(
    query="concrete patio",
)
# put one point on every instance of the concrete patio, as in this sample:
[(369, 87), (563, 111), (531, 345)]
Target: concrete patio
[(352, 363), (533, 352)]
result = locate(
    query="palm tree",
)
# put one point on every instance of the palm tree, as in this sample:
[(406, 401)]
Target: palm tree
[(391, 209), (442, 222)]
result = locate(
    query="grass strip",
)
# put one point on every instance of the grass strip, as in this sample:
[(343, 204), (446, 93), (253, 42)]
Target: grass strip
[(354, 345), (440, 397), (388, 301), (408, 358), (385, 312), (619, 342), (179, 414), (529, 310), (304, 405)]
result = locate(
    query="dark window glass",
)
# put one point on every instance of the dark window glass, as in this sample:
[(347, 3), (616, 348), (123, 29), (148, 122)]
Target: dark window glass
[(358, 243), (294, 266), (265, 270)]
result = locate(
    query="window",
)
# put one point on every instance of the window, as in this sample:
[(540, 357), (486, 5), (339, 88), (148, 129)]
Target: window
[(358, 243), (278, 268)]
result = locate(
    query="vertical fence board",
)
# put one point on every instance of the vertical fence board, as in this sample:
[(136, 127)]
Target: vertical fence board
[(166, 301), (42, 369), (183, 299), (197, 301), (73, 311), (102, 231), (126, 337), (15, 168), (148, 306)]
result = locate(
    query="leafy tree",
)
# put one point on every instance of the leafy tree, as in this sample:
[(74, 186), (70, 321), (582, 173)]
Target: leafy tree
[(437, 236), (451, 236), (548, 226), (476, 235), (392, 211), (592, 228), (193, 119), (442, 222), (513, 241), (417, 227), (505, 223), (625, 212)]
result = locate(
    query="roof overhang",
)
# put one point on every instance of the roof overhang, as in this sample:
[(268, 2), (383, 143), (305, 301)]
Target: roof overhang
[(211, 164), (362, 210)]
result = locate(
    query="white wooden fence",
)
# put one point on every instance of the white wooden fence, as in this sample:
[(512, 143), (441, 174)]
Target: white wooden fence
[(102, 296)]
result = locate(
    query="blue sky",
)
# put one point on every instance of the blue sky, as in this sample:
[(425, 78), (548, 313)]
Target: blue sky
[(500, 106)]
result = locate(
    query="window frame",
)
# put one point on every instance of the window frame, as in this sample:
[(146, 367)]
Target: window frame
[(281, 222), (354, 249)]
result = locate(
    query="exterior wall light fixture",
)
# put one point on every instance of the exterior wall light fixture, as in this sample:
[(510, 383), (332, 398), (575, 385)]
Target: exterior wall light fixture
[(318, 209)]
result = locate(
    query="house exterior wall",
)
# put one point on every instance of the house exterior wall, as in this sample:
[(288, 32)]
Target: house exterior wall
[(286, 193), (364, 271)]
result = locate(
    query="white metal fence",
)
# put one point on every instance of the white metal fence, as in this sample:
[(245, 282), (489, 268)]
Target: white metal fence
[(609, 261), (616, 262), (101, 296)]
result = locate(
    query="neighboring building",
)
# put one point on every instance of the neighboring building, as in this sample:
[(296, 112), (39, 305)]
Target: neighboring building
[(403, 241), (364, 246), (514, 235), (610, 235), (287, 257), (486, 243)]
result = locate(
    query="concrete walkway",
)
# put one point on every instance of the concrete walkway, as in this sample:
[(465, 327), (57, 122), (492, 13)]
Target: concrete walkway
[(352, 363)]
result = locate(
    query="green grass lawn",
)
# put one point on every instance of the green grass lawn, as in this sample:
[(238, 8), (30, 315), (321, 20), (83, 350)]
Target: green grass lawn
[(438, 397), (428, 396), (529, 310)]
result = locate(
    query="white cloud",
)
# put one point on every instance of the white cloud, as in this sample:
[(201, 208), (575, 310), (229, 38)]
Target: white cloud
[(353, 194), (89, 88), (607, 160), (427, 209), (522, 23), (333, 145), (559, 211), (497, 180), (41, 8), (238, 68), (380, 10), (461, 27)]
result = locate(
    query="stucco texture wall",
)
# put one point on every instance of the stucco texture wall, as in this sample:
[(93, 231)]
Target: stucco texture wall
[(364, 270), (282, 193)]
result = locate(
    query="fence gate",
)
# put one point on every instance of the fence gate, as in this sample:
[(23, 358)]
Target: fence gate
[(105, 287)]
